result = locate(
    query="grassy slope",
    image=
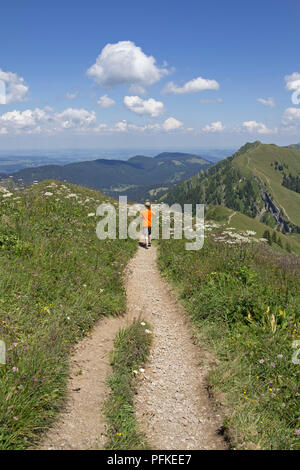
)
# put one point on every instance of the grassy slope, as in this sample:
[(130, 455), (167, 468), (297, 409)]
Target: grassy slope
[(56, 280), (242, 222), (244, 303), (259, 160), (214, 186), (131, 350)]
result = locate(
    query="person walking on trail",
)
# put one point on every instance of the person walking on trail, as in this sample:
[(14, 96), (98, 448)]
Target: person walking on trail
[(146, 216)]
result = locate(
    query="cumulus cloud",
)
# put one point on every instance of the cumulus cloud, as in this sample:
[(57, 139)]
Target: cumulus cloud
[(216, 126), (290, 115), (172, 124), (47, 121), (258, 127), (33, 121), (75, 118), (125, 63), (106, 102), (193, 86), (139, 106), (269, 102), (293, 83), (16, 89)]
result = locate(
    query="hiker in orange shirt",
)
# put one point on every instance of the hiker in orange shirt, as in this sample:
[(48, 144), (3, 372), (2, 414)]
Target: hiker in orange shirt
[(146, 216)]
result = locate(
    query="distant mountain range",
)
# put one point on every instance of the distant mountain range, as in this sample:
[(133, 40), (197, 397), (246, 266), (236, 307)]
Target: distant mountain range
[(259, 180), (139, 177)]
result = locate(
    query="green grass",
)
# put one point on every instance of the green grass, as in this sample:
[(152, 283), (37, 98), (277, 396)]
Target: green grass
[(244, 303), (56, 280), (258, 161), (242, 223), (130, 353)]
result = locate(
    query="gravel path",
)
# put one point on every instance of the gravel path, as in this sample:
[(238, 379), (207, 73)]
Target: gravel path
[(172, 403)]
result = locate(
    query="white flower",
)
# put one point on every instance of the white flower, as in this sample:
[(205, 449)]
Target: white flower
[(91, 214), (7, 194), (250, 232), (142, 370), (148, 332), (48, 194), (143, 323), (135, 372)]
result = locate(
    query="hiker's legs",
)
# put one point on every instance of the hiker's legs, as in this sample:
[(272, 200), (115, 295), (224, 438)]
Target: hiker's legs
[(146, 236), (149, 236)]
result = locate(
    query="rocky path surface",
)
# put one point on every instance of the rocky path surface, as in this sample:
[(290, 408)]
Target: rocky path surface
[(172, 403)]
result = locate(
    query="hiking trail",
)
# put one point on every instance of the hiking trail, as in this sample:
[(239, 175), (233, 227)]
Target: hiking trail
[(172, 403)]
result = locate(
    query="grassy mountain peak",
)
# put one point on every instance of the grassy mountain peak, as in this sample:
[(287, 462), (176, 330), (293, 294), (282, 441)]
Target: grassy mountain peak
[(259, 180)]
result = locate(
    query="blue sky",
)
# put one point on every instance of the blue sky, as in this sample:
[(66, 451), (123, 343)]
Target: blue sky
[(159, 73)]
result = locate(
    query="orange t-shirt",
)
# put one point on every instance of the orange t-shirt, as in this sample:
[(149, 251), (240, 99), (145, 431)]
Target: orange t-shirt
[(147, 217)]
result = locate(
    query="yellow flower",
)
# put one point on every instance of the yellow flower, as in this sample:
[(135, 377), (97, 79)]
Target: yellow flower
[(118, 434)]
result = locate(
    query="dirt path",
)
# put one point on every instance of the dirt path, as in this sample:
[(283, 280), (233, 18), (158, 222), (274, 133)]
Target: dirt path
[(230, 217), (172, 404)]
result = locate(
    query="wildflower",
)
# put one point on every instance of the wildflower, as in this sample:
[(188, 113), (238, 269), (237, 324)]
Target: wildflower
[(143, 323), (48, 194), (135, 372), (280, 356), (118, 434), (142, 370), (91, 214), (15, 369), (148, 332), (297, 432), (15, 418), (273, 364), (261, 361)]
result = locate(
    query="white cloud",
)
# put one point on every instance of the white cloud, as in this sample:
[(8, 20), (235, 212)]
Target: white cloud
[(106, 102), (16, 89), (258, 127), (172, 124), (75, 118), (290, 115), (193, 86), (269, 102), (293, 83), (139, 106), (125, 63), (46, 121), (216, 126), (72, 96)]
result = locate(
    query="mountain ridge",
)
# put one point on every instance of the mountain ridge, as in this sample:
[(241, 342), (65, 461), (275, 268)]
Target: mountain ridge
[(114, 177), (252, 182)]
